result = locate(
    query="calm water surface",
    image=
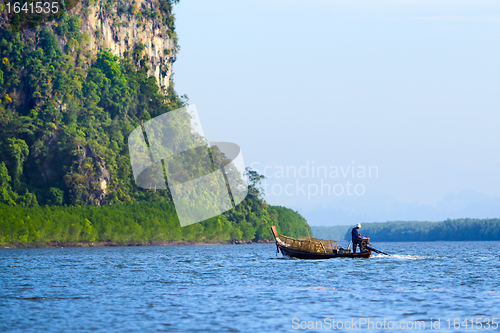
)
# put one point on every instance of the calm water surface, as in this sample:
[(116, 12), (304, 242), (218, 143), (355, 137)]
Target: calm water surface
[(245, 288)]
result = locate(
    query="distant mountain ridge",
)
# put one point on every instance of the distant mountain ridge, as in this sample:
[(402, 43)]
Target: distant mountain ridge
[(378, 207)]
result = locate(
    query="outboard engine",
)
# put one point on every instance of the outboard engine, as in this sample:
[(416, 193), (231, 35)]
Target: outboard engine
[(364, 244)]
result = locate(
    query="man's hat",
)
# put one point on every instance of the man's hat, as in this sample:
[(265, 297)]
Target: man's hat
[(358, 225)]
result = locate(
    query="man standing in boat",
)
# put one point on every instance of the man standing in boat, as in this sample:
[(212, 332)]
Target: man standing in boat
[(355, 238)]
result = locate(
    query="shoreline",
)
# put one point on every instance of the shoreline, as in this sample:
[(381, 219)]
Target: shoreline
[(117, 244)]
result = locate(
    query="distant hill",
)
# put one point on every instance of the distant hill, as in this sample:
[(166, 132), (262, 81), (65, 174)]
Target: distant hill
[(334, 233), (383, 207), (399, 231)]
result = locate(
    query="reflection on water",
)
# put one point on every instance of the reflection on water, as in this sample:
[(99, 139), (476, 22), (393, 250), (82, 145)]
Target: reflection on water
[(243, 288)]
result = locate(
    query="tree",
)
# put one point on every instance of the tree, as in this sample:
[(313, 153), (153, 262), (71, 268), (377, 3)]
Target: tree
[(254, 179), (6, 194), (16, 151)]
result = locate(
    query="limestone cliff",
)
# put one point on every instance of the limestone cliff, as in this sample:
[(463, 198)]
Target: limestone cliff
[(132, 26), (141, 28), (67, 108)]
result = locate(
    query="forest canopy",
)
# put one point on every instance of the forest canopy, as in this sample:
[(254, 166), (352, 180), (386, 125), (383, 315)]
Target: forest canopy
[(400, 231)]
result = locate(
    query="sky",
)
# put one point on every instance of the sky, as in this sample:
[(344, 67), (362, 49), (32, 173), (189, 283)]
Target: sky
[(405, 89)]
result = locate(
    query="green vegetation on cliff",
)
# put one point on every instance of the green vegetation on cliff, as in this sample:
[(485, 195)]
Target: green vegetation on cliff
[(66, 111), (64, 127)]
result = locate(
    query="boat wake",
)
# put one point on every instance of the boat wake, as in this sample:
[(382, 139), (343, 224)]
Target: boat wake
[(399, 256)]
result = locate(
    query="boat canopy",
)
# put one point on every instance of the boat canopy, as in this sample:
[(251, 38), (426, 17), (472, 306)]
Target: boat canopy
[(309, 244)]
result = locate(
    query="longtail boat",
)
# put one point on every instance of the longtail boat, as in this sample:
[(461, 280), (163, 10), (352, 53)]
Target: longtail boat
[(307, 247)]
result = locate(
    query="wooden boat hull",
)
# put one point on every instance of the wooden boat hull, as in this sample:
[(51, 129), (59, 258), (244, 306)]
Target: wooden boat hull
[(307, 255)]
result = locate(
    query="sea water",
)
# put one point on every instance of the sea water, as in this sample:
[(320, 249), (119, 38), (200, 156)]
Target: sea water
[(423, 286)]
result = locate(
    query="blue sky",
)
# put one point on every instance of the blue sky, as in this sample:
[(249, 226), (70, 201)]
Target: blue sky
[(410, 87)]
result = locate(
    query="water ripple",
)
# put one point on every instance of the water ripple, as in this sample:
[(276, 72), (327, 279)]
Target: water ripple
[(241, 288)]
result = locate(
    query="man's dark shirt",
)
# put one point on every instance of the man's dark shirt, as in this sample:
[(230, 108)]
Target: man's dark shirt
[(355, 235)]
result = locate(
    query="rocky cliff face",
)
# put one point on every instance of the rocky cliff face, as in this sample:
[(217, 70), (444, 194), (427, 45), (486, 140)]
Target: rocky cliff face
[(143, 29), (134, 27)]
